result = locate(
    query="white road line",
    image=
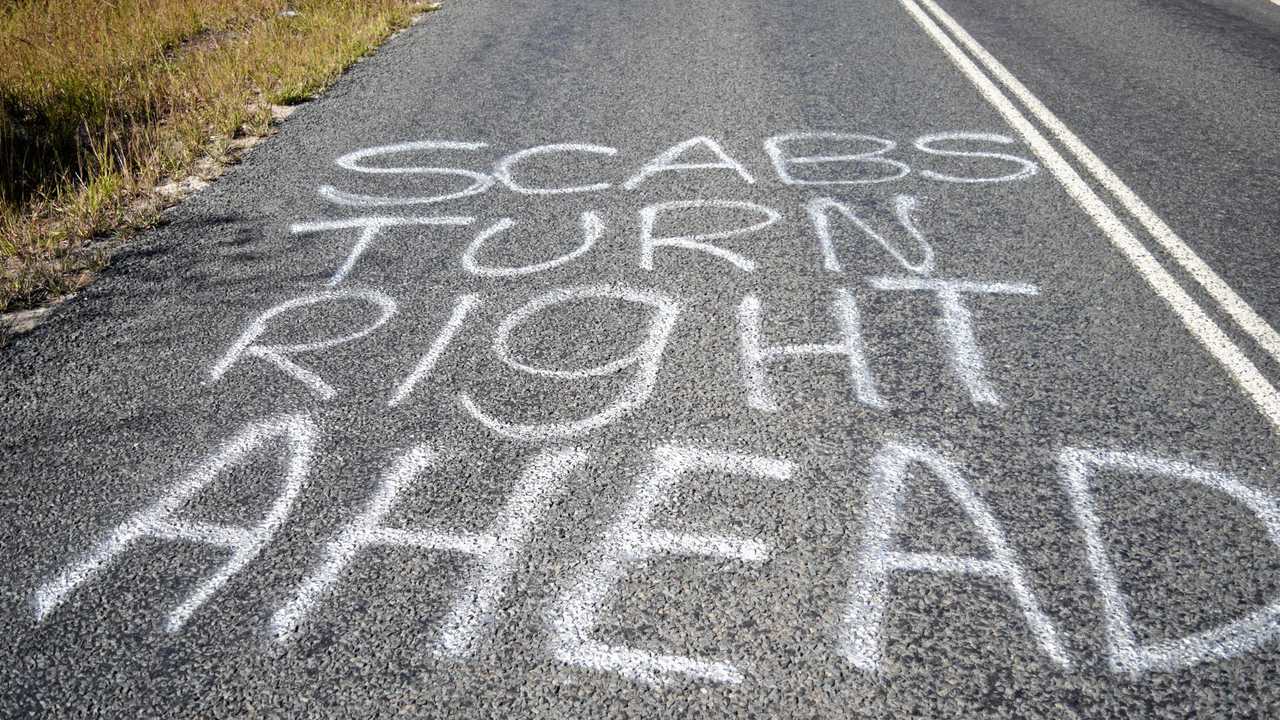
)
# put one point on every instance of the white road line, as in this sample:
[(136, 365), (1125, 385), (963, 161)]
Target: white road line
[(1193, 317), (1232, 303)]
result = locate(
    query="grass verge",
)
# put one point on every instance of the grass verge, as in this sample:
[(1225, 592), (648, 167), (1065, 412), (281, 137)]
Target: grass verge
[(101, 101)]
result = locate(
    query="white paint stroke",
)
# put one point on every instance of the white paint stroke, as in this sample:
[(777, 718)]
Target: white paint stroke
[(819, 210), (592, 230), (462, 308), (754, 355), (647, 355), (955, 325), (494, 551), (665, 162), (773, 147), (351, 161), (1124, 653), (1202, 327), (370, 227), (161, 519), (503, 170), (860, 636), (701, 242), (924, 144), (279, 355), (544, 479), (630, 540)]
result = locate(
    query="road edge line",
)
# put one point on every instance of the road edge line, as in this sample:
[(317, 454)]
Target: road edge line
[(1202, 327)]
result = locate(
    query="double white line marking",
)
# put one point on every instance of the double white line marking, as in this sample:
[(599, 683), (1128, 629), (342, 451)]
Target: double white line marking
[(1242, 370)]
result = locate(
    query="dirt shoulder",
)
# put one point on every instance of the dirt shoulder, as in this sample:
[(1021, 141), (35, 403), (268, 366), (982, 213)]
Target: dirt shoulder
[(110, 113)]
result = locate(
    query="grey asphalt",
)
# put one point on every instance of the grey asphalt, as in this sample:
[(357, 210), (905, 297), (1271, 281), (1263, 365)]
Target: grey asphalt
[(112, 404)]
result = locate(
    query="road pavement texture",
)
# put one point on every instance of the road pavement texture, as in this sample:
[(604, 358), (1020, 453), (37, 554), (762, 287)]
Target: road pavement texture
[(670, 359)]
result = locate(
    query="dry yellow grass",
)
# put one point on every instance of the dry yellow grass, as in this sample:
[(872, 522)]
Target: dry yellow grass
[(100, 100)]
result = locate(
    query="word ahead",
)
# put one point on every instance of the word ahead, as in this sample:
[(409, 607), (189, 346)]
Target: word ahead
[(634, 537)]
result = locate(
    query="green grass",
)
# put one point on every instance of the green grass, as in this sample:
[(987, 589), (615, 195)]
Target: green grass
[(101, 100)]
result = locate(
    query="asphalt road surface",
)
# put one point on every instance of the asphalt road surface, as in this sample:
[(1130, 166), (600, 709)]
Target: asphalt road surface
[(665, 359)]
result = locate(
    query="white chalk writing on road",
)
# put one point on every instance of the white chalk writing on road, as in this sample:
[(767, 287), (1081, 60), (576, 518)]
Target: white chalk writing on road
[(822, 161)]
